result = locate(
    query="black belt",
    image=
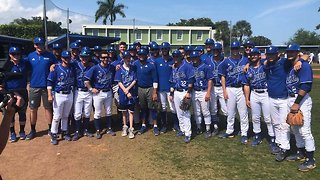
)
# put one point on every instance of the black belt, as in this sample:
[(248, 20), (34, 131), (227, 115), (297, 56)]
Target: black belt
[(144, 87), (217, 85), (83, 89), (63, 92), (104, 90), (292, 95), (236, 86), (260, 91), (199, 89), (181, 90)]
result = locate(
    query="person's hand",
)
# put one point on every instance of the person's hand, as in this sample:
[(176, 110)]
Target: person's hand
[(52, 67), (95, 91), (125, 91), (297, 66), (207, 97), (129, 95), (50, 98), (188, 96), (225, 95), (248, 104), (246, 68), (295, 108), (118, 67), (154, 97), (171, 98)]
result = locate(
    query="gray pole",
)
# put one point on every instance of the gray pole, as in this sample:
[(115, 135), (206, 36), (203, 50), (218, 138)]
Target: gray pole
[(230, 36), (45, 23), (68, 21)]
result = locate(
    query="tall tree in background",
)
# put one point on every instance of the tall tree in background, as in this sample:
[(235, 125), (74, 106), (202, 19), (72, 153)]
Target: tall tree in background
[(222, 32), (260, 40), (304, 37), (241, 29), (109, 10), (193, 22), (318, 26)]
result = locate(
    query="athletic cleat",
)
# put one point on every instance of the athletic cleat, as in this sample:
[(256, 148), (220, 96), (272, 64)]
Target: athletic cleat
[(22, 135), (199, 131), (215, 132), (299, 156), (124, 131), (142, 130), (87, 133), (226, 135), (54, 139), (13, 137), (111, 132), (180, 133), (131, 134), (156, 131), (98, 135), (274, 148), (76, 136), (163, 130), (31, 135), (49, 132), (282, 155), (256, 140), (207, 135), (176, 128), (187, 139), (307, 165), (244, 139), (66, 136)]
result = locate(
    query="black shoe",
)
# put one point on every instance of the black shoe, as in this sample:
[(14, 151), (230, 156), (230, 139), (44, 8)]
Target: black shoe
[(297, 156), (282, 155)]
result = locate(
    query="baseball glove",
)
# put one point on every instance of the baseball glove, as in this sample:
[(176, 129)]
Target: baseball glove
[(185, 104), (295, 118)]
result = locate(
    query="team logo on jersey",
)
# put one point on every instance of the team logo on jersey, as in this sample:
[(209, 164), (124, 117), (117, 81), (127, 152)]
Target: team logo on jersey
[(199, 74), (33, 59), (45, 58)]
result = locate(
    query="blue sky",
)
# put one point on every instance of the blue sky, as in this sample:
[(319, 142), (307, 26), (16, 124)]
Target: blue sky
[(276, 19)]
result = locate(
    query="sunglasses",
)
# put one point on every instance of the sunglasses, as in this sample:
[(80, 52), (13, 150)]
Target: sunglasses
[(15, 54), (107, 57)]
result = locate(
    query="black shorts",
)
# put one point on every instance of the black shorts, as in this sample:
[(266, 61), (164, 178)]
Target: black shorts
[(126, 107)]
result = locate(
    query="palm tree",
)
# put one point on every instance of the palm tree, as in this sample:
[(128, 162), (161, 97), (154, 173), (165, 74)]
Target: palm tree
[(109, 10)]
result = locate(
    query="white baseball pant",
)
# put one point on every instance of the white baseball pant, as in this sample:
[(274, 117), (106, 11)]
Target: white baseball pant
[(82, 104), (102, 100), (164, 98), (217, 94), (183, 116), (200, 106)]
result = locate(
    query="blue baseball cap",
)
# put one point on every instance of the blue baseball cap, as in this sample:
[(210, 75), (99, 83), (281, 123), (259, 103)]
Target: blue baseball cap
[(111, 49), (188, 48), (85, 52), (195, 54), (132, 47), (74, 45), (255, 51), (209, 41), (165, 45), (97, 48), (176, 53), (154, 45), (14, 50), (272, 50), (217, 46), (56, 46), (248, 43), (293, 47), (142, 51), (199, 48), (126, 54), (235, 45), (38, 40), (66, 54)]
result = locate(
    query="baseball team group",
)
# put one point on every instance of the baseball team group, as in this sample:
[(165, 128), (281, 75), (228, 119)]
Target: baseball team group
[(148, 82)]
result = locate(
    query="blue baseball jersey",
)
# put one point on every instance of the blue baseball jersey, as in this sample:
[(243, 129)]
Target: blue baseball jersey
[(116, 62), (206, 56), (95, 60), (256, 77), (182, 76), (164, 69), (276, 78), (126, 77), (80, 71), (146, 74), (20, 83), (101, 77), (295, 79), (232, 70), (214, 66), (62, 78), (202, 74), (40, 64)]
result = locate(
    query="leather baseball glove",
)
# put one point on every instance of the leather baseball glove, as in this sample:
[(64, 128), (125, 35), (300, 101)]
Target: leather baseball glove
[(185, 104), (295, 118)]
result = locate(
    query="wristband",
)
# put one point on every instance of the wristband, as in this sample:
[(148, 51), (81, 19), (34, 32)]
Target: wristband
[(298, 99), (189, 90)]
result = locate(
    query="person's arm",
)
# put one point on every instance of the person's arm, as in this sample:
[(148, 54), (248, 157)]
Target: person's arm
[(246, 90), (208, 94), (8, 114), (155, 84), (223, 84)]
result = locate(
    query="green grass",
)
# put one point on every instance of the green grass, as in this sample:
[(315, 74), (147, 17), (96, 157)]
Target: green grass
[(228, 159)]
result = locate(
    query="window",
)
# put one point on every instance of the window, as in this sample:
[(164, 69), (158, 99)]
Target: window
[(95, 32), (159, 35), (199, 35), (179, 35), (138, 35), (117, 34)]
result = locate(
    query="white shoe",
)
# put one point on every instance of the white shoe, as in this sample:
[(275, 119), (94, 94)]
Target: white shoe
[(124, 131), (131, 134)]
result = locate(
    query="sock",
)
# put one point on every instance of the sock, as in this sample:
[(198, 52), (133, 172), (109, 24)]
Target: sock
[(164, 118), (302, 150), (155, 125), (175, 122), (12, 129), (78, 125), (144, 125), (214, 119), (22, 127), (33, 127), (86, 123), (198, 126), (215, 126), (208, 127), (309, 155), (49, 125), (97, 124), (108, 119)]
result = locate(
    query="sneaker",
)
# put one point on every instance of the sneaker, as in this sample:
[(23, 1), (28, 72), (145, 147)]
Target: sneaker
[(281, 155), (22, 135), (76, 136), (111, 132), (274, 148), (54, 139), (256, 140), (207, 134), (307, 165), (124, 131), (299, 155), (49, 132), (215, 132), (13, 137), (187, 139), (131, 134), (244, 139), (180, 133), (176, 128), (163, 130), (156, 131), (226, 135), (199, 131), (142, 129), (66, 136), (31, 135), (98, 135), (87, 133)]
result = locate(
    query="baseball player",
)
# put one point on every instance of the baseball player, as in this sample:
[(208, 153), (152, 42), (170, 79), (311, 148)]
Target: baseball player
[(60, 85), (56, 51), (154, 51), (248, 45), (137, 44), (133, 52), (201, 51), (75, 50), (188, 50), (231, 72), (147, 82), (96, 54), (209, 43), (299, 84), (40, 61), (82, 96), (17, 65), (126, 78), (164, 68), (122, 48), (181, 79), (202, 93), (257, 98), (99, 80)]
